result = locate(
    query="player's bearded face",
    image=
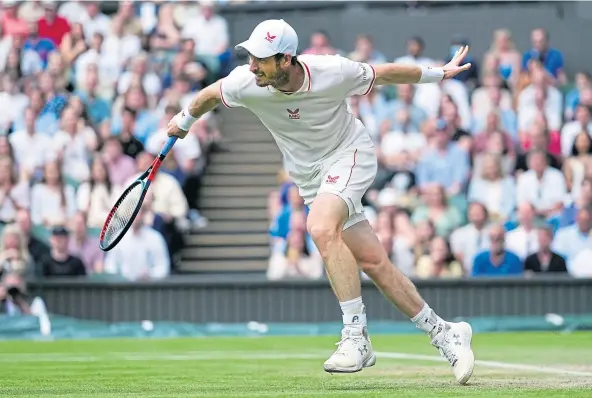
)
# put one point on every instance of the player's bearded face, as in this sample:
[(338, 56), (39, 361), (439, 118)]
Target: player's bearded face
[(269, 72)]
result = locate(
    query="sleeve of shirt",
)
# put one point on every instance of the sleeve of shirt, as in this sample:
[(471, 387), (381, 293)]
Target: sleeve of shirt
[(232, 87), (358, 77)]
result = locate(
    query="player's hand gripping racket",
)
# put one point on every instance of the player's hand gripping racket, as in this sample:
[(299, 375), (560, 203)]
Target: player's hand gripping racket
[(128, 205)]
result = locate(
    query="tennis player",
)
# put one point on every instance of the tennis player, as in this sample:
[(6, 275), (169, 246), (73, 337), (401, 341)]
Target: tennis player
[(330, 157)]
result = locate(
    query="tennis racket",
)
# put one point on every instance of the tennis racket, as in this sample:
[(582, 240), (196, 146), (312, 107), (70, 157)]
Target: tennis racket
[(125, 210)]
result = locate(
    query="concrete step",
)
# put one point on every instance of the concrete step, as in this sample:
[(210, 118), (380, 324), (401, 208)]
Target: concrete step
[(255, 180), (253, 136), (236, 191), (233, 203), (227, 253), (223, 266), (235, 214), (242, 169), (236, 227), (202, 240), (274, 158), (270, 147)]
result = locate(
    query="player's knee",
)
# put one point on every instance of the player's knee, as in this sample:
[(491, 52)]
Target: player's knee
[(373, 263), (323, 233)]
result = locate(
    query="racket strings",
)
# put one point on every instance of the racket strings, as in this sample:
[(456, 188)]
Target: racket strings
[(123, 213)]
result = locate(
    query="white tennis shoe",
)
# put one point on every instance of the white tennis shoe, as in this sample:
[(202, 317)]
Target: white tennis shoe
[(353, 353), (454, 344)]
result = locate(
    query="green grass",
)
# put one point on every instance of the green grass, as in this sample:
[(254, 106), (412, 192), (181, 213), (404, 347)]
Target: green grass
[(254, 367)]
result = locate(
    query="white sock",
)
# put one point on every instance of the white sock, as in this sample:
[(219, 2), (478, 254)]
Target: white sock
[(354, 312), (428, 321)]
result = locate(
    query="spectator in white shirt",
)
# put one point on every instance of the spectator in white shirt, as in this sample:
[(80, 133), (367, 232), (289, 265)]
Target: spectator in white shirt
[(150, 81), (12, 103), (95, 197), (121, 46), (487, 98), (14, 195), (95, 60), (140, 255), (541, 185), (31, 149), (492, 188), (209, 31), (74, 11), (539, 97), (52, 201), (524, 240), (74, 144), (94, 21), (466, 242), (570, 130)]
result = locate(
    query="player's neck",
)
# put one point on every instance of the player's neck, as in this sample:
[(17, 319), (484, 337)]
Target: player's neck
[(296, 80)]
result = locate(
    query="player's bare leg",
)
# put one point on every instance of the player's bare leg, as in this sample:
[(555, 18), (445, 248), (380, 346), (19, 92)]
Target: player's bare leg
[(325, 222), (453, 340)]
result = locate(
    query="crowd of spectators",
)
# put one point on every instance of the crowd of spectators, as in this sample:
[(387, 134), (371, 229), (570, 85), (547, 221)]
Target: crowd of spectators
[(85, 98), (487, 174)]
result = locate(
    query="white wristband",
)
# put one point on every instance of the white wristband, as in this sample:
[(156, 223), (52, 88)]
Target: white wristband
[(430, 75), (184, 120)]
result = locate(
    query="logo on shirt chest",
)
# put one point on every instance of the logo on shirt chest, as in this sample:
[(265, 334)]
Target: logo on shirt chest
[(293, 115)]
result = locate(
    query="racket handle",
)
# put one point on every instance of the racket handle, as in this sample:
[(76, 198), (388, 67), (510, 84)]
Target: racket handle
[(167, 147)]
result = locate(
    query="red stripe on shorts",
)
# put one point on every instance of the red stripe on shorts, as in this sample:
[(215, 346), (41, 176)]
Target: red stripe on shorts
[(352, 168)]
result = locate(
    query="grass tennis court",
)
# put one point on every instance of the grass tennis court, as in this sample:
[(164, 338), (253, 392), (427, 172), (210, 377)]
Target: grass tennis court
[(512, 364)]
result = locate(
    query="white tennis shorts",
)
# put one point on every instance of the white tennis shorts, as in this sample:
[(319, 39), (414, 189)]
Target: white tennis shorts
[(347, 174)]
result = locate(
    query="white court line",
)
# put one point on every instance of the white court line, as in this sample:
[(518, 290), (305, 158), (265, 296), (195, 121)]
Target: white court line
[(261, 356), (490, 364)]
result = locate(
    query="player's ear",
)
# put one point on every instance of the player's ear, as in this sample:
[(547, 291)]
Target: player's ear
[(285, 60)]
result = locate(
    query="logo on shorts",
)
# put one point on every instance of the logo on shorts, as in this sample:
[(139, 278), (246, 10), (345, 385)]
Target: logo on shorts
[(270, 38), (294, 115), (331, 180)]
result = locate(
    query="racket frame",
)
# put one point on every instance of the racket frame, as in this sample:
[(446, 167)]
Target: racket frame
[(145, 180)]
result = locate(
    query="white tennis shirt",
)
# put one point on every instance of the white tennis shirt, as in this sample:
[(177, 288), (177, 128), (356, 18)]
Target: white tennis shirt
[(313, 123)]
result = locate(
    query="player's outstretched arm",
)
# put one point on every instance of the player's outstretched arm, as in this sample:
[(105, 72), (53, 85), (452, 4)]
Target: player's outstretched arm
[(403, 73), (206, 100)]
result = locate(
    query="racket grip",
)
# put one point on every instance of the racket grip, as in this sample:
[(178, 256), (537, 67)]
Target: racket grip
[(167, 147)]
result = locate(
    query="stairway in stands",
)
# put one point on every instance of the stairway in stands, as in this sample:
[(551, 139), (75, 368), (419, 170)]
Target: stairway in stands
[(234, 196)]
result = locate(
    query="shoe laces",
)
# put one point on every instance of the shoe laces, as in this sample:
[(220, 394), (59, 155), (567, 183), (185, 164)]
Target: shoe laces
[(348, 339), (445, 346)]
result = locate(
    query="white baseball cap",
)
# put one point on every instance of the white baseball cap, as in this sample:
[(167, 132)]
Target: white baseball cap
[(274, 36)]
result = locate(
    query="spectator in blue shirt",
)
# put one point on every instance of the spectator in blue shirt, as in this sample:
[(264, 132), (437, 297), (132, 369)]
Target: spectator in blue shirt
[(570, 210), (571, 240), (551, 58), (497, 261), (393, 119), (445, 163), (40, 45)]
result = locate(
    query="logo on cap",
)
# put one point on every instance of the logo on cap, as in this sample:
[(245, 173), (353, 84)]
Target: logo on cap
[(270, 38)]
